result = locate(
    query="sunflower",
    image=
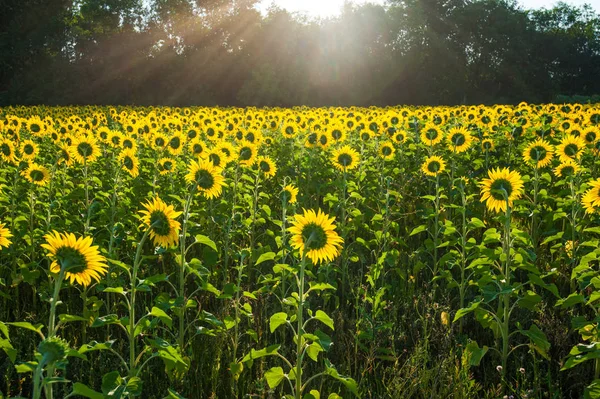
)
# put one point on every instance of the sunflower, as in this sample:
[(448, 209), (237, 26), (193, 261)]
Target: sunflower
[(216, 157), (289, 194), (160, 219), (433, 166), (459, 139), (115, 138), (590, 135), (567, 168), (386, 150), (501, 183), (29, 150), (80, 260), (7, 151), (246, 153), (166, 165), (313, 234), (129, 143), (129, 162), (487, 145), (400, 136), (431, 135), (4, 236), (266, 166), (176, 143), (570, 147), (227, 151), (289, 129), (36, 174), (85, 149), (337, 133), (197, 147), (207, 177), (65, 154), (158, 141), (345, 158), (538, 153), (591, 198)]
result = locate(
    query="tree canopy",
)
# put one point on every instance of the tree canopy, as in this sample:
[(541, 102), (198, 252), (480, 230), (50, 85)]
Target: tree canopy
[(219, 52)]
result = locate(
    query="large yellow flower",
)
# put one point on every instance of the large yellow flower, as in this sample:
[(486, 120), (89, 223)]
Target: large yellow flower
[(36, 174), (538, 153), (567, 168), (345, 158), (459, 139), (570, 147), (129, 162), (266, 166), (431, 134), (289, 194), (501, 182), (4, 236), (85, 149), (29, 150), (314, 234), (591, 198), (160, 219), (80, 260), (7, 151), (386, 150), (206, 176), (433, 166)]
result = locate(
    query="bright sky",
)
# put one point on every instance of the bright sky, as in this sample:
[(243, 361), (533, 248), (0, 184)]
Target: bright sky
[(327, 8)]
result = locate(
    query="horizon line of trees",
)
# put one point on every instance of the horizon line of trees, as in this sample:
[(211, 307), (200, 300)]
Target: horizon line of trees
[(225, 52)]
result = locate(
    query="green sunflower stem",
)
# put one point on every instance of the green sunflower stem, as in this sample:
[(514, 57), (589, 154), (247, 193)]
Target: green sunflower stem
[(182, 246), (299, 329), (52, 329), (136, 265), (88, 207), (506, 297)]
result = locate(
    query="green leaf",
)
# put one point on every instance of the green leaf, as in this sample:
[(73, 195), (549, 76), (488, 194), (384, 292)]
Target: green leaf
[(475, 353), (27, 367), (206, 241), (85, 391), (313, 351), (165, 318), (325, 319), (106, 320), (96, 346), (418, 229), (274, 376), (571, 300), (476, 223), (276, 320), (530, 300), (320, 287), (173, 395), (10, 351), (592, 391), (27, 326), (256, 354), (538, 339), (464, 311), (265, 257), (580, 354), (67, 318), (348, 382)]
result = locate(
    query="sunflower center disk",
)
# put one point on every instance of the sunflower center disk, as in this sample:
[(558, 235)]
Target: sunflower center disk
[(433, 166), (36, 175), (538, 153), (458, 140), (204, 179), (160, 223), (71, 260), (245, 154), (345, 159), (571, 150), (498, 187), (265, 167), (314, 236), (84, 149), (386, 151)]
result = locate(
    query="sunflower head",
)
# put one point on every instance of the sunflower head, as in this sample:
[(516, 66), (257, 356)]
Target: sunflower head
[(159, 218), (345, 158), (459, 139), (538, 153), (289, 194), (76, 256), (4, 236), (591, 198), (36, 174), (206, 176), (386, 150), (502, 186), (266, 166), (433, 166), (567, 168), (313, 234)]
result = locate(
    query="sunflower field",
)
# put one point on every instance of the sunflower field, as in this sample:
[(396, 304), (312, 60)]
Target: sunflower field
[(162, 252)]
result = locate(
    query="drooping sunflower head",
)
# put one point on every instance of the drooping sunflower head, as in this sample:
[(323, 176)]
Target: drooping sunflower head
[(206, 176), (345, 158), (160, 219), (80, 260), (4, 236), (36, 174), (571, 147), (386, 150), (289, 194), (433, 166), (538, 153), (459, 139), (266, 166), (314, 236), (501, 186)]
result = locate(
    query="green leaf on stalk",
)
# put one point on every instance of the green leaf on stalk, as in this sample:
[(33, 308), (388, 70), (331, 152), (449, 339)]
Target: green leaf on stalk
[(85, 391), (265, 257), (206, 241), (277, 320), (464, 311), (274, 376), (538, 340), (475, 353), (325, 319), (418, 229), (165, 318)]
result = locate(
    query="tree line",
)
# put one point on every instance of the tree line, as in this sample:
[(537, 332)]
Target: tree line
[(225, 52)]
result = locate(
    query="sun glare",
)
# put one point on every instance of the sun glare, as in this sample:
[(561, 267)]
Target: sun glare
[(312, 8)]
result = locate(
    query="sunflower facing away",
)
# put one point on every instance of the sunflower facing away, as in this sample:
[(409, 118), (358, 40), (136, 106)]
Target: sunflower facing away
[(289, 194), (345, 158), (314, 234), (538, 153), (206, 176), (4, 236), (80, 260), (160, 219), (591, 198), (433, 166), (500, 181)]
